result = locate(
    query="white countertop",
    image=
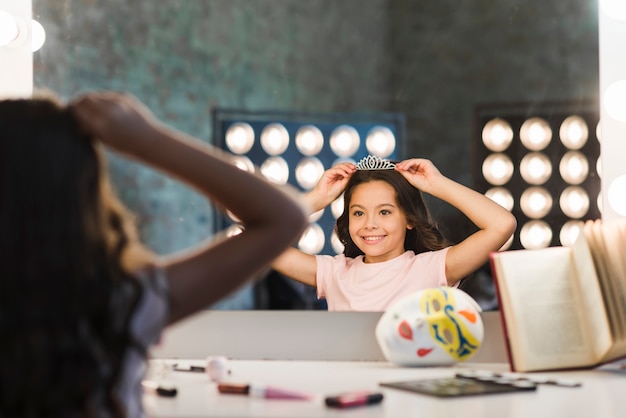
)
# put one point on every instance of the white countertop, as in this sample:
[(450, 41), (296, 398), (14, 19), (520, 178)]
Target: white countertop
[(602, 394)]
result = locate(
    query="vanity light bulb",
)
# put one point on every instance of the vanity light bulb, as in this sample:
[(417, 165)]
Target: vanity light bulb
[(274, 139), (574, 202), (574, 132), (507, 244), (380, 142), (344, 141), (501, 196), (617, 195), (535, 168), (338, 247), (312, 240), (239, 137), (308, 172), (599, 201), (336, 208), (276, 170), (243, 163), (9, 31), (574, 167), (497, 135), (309, 140), (569, 232), (535, 235), (234, 230), (535, 134), (497, 169), (38, 35), (536, 202), (316, 216)]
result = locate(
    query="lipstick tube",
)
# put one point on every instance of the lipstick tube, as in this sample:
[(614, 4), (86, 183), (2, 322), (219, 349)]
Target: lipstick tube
[(265, 392), (352, 399)]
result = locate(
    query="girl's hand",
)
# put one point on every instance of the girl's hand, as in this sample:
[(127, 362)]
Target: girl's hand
[(421, 173), (331, 185), (118, 120)]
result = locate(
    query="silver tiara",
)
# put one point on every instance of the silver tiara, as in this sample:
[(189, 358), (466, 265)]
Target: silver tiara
[(374, 163)]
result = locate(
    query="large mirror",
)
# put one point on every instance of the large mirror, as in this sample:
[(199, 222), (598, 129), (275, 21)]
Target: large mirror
[(434, 61)]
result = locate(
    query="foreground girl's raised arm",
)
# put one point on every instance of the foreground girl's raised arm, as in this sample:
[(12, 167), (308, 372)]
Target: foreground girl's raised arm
[(206, 272), (294, 263), (496, 224)]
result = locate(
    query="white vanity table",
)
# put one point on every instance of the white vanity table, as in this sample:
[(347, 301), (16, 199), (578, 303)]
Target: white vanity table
[(309, 352)]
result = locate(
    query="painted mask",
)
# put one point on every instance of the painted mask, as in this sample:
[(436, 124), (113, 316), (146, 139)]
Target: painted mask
[(431, 327)]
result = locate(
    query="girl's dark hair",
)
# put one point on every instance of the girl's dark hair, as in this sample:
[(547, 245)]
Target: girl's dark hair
[(65, 295), (425, 235)]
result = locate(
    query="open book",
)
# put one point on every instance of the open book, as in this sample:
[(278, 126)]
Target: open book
[(565, 307)]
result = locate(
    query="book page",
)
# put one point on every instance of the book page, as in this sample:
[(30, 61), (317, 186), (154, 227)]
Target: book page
[(592, 232), (614, 248), (592, 297), (541, 303)]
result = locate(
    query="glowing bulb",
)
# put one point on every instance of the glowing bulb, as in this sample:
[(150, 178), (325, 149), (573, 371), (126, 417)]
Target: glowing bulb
[(617, 195), (239, 137), (38, 35), (501, 196), (536, 202), (309, 140), (574, 132), (308, 172), (336, 207), (535, 235), (274, 139), (497, 135), (338, 247), (535, 168), (312, 240), (535, 134), (574, 202), (243, 163), (569, 232), (574, 167), (9, 31), (344, 141), (497, 169), (276, 170), (380, 142)]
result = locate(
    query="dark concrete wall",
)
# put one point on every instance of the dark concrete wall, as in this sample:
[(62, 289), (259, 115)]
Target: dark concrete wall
[(433, 60)]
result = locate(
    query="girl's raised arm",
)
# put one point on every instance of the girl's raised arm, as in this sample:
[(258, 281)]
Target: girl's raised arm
[(205, 273), (496, 224), (299, 265)]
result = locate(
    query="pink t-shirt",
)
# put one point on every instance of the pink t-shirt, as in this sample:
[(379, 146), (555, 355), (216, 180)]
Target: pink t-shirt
[(349, 284)]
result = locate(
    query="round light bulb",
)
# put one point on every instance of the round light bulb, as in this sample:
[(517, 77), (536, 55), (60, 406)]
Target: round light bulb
[(38, 35), (9, 31)]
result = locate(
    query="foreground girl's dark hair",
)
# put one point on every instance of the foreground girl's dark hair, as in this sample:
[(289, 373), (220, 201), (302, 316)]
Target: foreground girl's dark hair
[(63, 240)]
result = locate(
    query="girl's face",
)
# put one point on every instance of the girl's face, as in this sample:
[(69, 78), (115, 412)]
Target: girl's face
[(377, 225)]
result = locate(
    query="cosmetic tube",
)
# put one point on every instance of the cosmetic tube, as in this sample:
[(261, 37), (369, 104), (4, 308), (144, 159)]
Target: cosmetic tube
[(266, 392), (159, 389), (348, 400)]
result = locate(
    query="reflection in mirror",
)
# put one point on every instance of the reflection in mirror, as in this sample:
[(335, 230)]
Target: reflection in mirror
[(434, 62)]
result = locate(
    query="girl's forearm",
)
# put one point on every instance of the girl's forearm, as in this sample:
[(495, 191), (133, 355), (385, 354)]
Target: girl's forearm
[(208, 170), (314, 202), (479, 209)]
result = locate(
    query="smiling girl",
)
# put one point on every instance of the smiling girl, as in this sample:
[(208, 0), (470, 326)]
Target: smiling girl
[(392, 247)]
